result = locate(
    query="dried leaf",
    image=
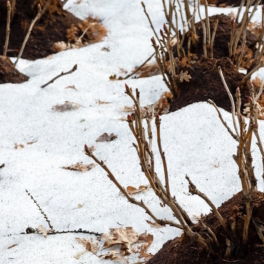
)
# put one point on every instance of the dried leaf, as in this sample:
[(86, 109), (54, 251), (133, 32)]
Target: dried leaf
[(105, 49), (102, 102), (66, 106), (184, 76), (43, 231), (128, 109), (89, 245), (80, 205), (147, 239), (32, 142), (113, 78), (113, 255), (154, 224), (71, 87), (133, 190), (106, 137), (20, 145), (80, 167), (124, 237)]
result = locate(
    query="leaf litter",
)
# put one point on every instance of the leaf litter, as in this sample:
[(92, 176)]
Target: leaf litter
[(80, 167), (105, 137), (67, 106)]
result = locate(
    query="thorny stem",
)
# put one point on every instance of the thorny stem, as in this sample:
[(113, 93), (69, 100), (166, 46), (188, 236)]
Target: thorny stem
[(8, 6)]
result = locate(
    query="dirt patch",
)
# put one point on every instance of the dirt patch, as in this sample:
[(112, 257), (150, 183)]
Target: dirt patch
[(182, 250), (53, 27), (224, 3), (222, 38), (207, 84), (8, 73)]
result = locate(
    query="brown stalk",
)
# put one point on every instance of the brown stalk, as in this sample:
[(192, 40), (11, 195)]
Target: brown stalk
[(189, 16), (193, 190), (209, 230), (60, 75), (260, 40), (204, 31), (239, 10), (222, 120), (213, 38), (231, 99), (208, 30), (162, 154), (13, 5), (242, 48), (8, 6), (28, 34), (130, 199), (247, 77), (138, 68)]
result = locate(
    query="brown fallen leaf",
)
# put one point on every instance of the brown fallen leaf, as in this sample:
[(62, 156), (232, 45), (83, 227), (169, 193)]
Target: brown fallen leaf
[(113, 78), (184, 76), (2, 166), (71, 87), (12, 246), (80, 167), (124, 237), (32, 142), (113, 255), (128, 109), (106, 137), (154, 224), (41, 230), (147, 239), (20, 145), (102, 102), (66, 106), (132, 190), (105, 49), (89, 245)]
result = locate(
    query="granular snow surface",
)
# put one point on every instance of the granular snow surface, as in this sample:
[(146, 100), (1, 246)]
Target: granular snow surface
[(193, 138)]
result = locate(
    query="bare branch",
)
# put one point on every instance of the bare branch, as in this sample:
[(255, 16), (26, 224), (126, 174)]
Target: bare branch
[(8, 6), (60, 75), (213, 38), (231, 100), (28, 34)]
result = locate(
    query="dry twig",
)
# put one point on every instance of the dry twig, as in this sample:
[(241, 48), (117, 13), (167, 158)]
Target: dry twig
[(8, 5)]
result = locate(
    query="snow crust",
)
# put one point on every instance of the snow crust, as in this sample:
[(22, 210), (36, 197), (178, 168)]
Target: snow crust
[(193, 139)]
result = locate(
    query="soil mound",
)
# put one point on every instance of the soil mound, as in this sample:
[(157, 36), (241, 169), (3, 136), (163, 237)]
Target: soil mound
[(224, 3), (207, 84), (54, 26), (8, 73), (182, 250), (222, 38)]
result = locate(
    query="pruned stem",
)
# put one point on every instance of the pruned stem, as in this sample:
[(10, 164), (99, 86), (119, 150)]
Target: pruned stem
[(231, 99), (8, 6), (222, 120), (193, 190), (28, 34), (213, 38)]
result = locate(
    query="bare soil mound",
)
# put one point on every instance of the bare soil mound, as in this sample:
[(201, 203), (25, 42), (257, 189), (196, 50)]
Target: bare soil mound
[(222, 38), (54, 26), (182, 250), (8, 73), (224, 3), (207, 84)]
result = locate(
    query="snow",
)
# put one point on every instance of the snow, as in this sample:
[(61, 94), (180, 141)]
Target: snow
[(193, 139)]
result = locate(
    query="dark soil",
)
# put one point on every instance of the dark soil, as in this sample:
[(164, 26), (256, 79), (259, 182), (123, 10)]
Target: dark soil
[(222, 38), (182, 250), (8, 73), (52, 27), (227, 2), (207, 84)]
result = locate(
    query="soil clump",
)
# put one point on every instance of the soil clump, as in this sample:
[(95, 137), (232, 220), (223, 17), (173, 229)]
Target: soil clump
[(181, 250), (54, 26), (8, 72)]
